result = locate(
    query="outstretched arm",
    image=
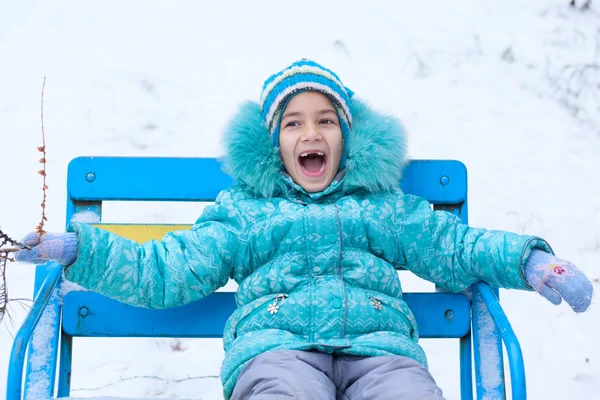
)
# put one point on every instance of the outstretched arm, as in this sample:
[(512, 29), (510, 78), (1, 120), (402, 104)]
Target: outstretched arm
[(437, 247), (184, 266)]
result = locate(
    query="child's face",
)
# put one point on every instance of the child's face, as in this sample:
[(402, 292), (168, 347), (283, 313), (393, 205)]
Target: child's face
[(310, 141)]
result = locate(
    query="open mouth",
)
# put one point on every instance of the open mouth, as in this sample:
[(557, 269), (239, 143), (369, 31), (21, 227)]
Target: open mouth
[(313, 163)]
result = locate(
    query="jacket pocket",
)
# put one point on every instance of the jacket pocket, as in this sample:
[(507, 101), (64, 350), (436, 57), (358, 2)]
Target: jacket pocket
[(268, 304), (382, 302)]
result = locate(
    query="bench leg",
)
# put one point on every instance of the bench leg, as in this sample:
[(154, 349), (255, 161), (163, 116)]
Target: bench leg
[(466, 369), (64, 371)]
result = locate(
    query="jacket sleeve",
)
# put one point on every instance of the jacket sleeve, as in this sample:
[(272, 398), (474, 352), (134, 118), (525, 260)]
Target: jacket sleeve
[(437, 247), (184, 266)]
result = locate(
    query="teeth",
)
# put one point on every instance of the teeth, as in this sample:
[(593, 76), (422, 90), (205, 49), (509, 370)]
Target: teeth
[(306, 154)]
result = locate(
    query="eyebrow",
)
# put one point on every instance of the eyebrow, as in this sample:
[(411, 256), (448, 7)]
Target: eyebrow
[(298, 113)]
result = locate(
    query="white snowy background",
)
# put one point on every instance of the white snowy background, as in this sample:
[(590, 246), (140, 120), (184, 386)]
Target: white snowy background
[(511, 88)]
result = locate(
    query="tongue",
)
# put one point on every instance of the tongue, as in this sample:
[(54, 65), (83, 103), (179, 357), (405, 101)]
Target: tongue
[(313, 165)]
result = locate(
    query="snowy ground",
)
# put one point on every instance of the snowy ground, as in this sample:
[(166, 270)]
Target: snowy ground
[(510, 88)]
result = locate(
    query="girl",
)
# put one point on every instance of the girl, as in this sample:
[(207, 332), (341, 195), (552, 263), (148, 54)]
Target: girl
[(311, 232)]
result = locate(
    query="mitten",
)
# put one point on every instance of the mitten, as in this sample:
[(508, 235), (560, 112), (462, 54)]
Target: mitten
[(557, 279), (59, 247)]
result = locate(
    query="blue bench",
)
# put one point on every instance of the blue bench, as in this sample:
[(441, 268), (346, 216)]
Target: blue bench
[(476, 321)]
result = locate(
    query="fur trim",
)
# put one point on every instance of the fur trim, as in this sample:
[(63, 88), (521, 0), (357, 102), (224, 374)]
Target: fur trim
[(377, 152), (250, 157)]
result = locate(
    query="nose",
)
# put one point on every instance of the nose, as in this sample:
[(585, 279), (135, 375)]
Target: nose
[(311, 133)]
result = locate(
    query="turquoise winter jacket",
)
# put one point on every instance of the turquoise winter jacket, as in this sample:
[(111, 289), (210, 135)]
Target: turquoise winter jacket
[(316, 271)]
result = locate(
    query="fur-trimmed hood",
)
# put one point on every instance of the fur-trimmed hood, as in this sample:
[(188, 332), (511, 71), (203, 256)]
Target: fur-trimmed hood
[(376, 152)]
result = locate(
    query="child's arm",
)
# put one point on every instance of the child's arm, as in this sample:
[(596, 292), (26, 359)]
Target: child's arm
[(437, 247), (184, 266)]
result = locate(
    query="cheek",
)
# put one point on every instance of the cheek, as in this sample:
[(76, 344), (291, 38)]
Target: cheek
[(286, 152), (336, 145), (289, 160)]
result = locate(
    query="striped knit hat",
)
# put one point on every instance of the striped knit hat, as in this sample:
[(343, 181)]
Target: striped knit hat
[(301, 76)]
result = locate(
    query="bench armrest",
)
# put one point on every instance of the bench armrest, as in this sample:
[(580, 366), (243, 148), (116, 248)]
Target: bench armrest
[(513, 348), (17, 357)]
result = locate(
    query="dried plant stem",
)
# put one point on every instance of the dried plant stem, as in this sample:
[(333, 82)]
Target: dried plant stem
[(10, 249), (3, 288), (13, 245), (4, 251), (40, 228), (4, 239)]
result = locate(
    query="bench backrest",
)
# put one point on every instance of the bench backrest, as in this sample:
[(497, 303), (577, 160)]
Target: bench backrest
[(94, 180)]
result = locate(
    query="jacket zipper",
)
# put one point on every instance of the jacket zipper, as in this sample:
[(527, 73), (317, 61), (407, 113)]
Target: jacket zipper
[(272, 308), (345, 302), (379, 305)]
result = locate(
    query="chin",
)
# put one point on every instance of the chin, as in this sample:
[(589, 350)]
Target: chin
[(313, 187)]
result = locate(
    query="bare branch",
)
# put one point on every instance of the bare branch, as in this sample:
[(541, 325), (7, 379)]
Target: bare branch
[(3, 289), (10, 249), (40, 228), (13, 245)]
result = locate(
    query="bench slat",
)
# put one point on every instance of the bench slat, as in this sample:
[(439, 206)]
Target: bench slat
[(201, 179), (88, 314), (143, 233), (146, 178)]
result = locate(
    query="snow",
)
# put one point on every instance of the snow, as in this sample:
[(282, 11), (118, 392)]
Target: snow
[(38, 385), (509, 88), (89, 217), (490, 361), (67, 286)]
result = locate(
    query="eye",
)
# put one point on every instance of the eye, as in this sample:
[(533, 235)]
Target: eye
[(326, 121), (291, 124)]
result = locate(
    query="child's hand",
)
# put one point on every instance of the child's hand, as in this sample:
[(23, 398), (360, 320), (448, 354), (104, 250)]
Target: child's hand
[(554, 279), (59, 247)]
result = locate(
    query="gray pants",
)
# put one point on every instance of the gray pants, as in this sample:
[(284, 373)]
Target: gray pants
[(305, 375)]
